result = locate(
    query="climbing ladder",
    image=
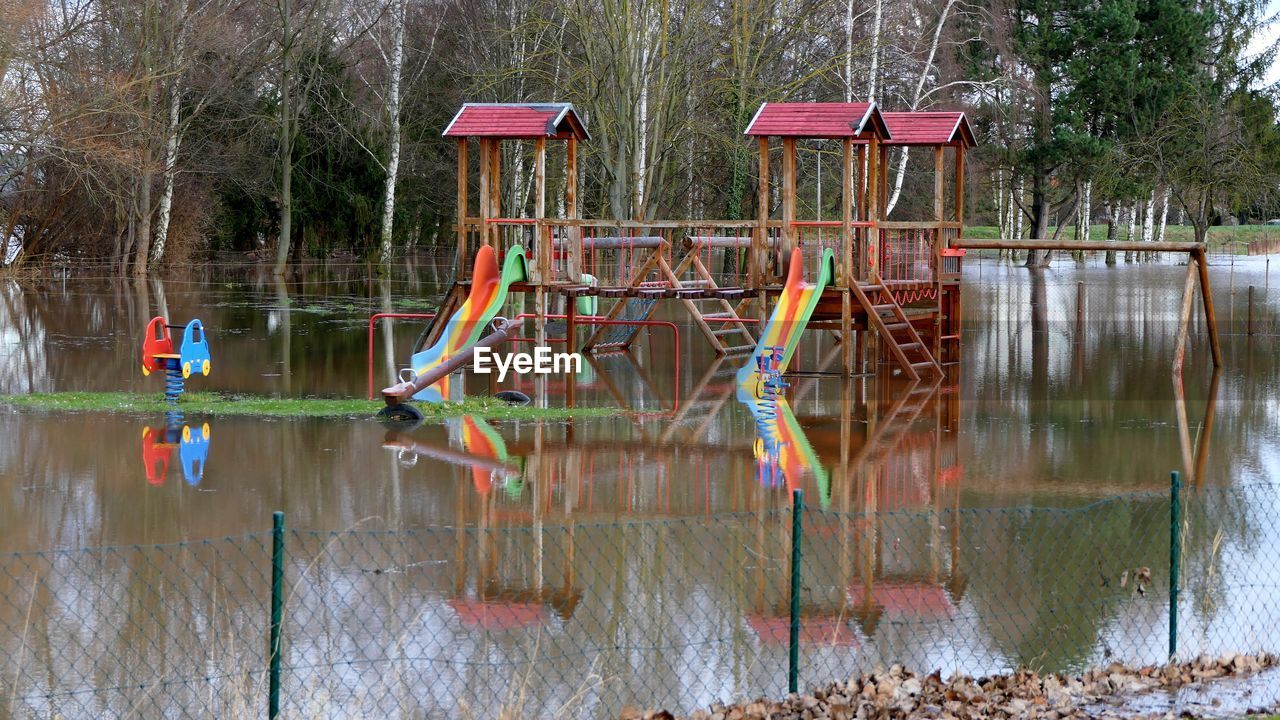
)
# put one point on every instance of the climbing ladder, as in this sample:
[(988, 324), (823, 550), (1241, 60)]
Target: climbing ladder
[(895, 423), (894, 328), (725, 335)]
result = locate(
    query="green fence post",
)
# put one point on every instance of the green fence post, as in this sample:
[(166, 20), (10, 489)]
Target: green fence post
[(797, 522), (277, 611), (1175, 527)]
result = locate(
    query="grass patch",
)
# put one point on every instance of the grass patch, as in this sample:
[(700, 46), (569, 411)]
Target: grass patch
[(1220, 235), (220, 404)]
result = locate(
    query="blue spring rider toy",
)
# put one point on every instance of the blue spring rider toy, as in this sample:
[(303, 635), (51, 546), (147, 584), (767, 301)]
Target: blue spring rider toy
[(192, 356)]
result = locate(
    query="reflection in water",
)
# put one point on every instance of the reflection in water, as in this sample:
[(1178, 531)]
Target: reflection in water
[(191, 442), (976, 525)]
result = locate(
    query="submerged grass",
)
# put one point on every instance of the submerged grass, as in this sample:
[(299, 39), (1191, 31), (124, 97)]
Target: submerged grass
[(215, 404)]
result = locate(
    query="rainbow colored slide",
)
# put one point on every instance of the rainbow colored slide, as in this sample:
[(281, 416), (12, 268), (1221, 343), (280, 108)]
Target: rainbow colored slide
[(790, 316), (488, 293), (783, 452)]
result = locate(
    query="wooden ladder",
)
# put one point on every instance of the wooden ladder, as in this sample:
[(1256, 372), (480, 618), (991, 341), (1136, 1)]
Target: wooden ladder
[(900, 324), (727, 337)]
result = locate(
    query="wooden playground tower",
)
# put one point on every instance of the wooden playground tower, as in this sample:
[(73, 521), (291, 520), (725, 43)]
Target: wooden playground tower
[(896, 288)]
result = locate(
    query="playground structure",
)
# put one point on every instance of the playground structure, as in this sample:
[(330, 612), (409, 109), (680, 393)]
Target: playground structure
[(891, 287), (888, 290)]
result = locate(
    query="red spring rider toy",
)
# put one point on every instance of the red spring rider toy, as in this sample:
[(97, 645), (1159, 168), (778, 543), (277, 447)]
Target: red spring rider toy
[(158, 354)]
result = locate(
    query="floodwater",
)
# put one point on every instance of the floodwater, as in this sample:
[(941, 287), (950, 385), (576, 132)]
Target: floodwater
[(1002, 518)]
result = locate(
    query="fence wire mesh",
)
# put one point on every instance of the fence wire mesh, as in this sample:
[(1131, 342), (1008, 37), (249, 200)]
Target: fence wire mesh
[(586, 619)]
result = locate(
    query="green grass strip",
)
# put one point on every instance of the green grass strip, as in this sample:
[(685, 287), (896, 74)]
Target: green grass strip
[(221, 404)]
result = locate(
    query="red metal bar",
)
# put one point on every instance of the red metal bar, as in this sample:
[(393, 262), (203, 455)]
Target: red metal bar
[(373, 319)]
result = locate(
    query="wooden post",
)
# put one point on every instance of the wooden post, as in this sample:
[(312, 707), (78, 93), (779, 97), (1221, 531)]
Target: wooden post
[(1207, 297), (461, 258), (846, 220), (846, 332), (1248, 327), (542, 232), (959, 188), (788, 204), (571, 209), (873, 208), (939, 205), (760, 245), (1188, 290), (486, 211), (882, 182), (862, 234), (495, 191)]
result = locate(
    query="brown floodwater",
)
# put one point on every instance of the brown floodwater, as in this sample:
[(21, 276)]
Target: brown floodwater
[(995, 520)]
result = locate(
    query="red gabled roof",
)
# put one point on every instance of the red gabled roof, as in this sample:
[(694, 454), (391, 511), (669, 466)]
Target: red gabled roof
[(929, 128), (498, 615), (818, 120), (830, 631), (917, 600), (517, 121)]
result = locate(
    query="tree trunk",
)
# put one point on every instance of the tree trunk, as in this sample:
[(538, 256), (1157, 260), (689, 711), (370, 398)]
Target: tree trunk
[(1112, 209), (144, 221), (286, 142), (1164, 213), (170, 176), (393, 113), (848, 51), (1039, 219), (875, 51)]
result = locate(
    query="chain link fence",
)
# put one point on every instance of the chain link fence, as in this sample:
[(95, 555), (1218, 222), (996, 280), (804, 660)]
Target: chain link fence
[(586, 619)]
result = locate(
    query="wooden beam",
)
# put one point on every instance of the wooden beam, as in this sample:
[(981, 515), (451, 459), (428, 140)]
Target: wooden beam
[(1090, 246), (1188, 290), (486, 210), (1207, 297), (846, 218), (571, 209), (939, 205), (873, 209), (542, 231), (883, 182), (959, 149), (788, 202), (756, 263), (461, 258), (861, 185)]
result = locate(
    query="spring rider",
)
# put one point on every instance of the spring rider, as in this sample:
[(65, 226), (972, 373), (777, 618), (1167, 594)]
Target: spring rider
[(192, 357), (769, 445), (158, 354)]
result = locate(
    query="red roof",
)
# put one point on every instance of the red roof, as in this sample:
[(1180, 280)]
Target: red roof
[(918, 600), (775, 630), (929, 128), (818, 120), (498, 615), (518, 121)]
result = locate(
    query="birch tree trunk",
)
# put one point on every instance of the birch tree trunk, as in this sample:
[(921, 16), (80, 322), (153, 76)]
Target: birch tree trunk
[(915, 101), (1086, 211), (1148, 227), (170, 171), (848, 51), (1164, 213), (393, 116), (875, 51), (1133, 228)]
